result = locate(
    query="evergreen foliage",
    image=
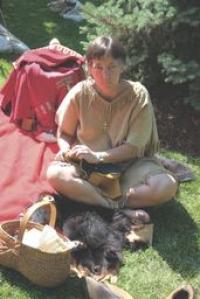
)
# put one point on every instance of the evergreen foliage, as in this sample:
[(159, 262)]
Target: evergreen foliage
[(162, 39)]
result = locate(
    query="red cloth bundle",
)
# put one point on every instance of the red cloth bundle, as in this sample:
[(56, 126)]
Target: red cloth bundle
[(34, 90), (38, 83)]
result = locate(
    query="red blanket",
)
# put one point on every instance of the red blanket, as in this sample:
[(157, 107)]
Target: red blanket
[(22, 168), (34, 89)]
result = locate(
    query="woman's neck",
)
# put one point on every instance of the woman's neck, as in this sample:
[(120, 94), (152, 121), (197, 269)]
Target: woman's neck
[(109, 94)]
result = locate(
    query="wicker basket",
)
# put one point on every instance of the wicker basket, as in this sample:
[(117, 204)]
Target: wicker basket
[(41, 268)]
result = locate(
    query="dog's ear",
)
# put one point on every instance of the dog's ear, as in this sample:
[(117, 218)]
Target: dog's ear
[(120, 222), (114, 256)]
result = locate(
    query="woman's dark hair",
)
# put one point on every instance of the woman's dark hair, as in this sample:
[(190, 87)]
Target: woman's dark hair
[(105, 45)]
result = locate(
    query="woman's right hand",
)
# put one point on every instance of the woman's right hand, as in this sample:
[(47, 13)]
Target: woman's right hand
[(81, 151), (61, 156)]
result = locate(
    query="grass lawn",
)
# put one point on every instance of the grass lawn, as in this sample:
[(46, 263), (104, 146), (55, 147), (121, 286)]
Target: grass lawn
[(174, 258)]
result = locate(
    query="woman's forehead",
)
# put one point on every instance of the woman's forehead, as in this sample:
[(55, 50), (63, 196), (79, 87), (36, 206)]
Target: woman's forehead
[(106, 59)]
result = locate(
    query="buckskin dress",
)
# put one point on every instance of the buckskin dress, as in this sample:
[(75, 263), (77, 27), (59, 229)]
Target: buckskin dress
[(102, 125)]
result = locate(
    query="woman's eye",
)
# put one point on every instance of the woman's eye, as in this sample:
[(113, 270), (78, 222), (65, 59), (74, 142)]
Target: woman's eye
[(102, 68), (112, 67), (98, 67)]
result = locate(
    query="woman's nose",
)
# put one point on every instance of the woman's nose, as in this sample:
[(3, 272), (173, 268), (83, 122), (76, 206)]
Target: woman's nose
[(106, 72)]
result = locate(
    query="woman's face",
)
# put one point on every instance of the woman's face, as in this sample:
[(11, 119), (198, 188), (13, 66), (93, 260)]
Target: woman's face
[(106, 72)]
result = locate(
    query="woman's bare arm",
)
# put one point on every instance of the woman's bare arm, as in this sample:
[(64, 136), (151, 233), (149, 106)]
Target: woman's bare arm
[(118, 154), (121, 153)]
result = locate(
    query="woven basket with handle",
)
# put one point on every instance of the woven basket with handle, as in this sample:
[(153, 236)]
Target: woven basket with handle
[(41, 268)]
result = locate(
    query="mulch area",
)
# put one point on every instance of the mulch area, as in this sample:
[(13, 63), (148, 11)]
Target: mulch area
[(178, 124)]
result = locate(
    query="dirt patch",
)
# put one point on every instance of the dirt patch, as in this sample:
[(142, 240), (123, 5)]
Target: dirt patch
[(178, 124)]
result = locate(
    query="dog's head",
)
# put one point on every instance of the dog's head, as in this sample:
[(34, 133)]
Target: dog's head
[(101, 259), (102, 245)]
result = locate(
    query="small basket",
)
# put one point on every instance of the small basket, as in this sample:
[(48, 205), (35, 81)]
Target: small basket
[(41, 268)]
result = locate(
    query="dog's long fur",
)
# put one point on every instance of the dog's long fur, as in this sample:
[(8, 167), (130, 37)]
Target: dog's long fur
[(103, 245), (101, 231)]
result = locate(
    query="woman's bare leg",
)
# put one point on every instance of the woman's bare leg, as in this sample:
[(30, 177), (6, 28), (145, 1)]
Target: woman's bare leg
[(66, 180), (158, 189)]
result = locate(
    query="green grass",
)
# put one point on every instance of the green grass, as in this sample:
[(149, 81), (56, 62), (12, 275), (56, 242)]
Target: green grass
[(174, 258), (36, 25)]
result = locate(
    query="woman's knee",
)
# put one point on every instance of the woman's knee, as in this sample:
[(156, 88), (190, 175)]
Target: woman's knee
[(57, 175), (163, 187)]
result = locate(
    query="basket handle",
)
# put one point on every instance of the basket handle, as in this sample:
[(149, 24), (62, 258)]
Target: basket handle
[(47, 200)]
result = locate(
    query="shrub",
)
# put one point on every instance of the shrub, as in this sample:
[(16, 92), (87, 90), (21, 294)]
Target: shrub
[(161, 38)]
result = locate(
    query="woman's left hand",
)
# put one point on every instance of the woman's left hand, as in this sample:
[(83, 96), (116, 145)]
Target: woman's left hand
[(80, 152)]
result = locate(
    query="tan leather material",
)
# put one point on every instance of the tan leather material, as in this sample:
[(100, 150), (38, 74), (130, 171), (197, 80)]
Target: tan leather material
[(108, 183), (104, 290), (118, 291), (141, 233)]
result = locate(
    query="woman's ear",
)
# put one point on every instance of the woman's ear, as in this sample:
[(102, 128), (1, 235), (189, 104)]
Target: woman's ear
[(89, 68)]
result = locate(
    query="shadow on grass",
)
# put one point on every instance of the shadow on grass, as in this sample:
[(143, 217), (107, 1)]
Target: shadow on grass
[(72, 288), (34, 24), (176, 238)]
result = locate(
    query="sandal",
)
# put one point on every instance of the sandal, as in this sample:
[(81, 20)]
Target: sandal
[(103, 290), (183, 292)]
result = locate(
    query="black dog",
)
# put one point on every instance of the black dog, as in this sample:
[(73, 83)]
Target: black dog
[(101, 231), (103, 245)]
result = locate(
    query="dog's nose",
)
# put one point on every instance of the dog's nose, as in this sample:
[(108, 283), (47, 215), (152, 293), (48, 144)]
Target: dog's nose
[(97, 268)]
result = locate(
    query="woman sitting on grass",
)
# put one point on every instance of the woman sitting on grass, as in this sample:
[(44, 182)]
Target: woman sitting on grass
[(106, 119)]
